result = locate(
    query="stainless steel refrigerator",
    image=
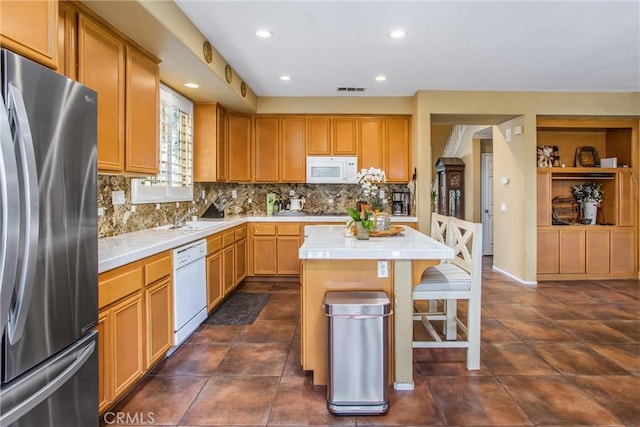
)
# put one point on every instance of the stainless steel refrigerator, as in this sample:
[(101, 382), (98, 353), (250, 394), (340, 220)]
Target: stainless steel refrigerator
[(48, 248)]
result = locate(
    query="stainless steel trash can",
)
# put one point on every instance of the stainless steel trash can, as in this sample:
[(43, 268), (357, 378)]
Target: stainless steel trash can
[(358, 352)]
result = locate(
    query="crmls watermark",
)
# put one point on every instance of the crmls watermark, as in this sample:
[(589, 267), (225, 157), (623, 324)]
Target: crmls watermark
[(116, 418)]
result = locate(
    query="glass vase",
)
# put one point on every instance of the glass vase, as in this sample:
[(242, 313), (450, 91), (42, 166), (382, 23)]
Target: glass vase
[(361, 232)]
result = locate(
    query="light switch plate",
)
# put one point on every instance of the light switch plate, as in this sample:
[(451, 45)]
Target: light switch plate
[(117, 197), (507, 135), (234, 194), (503, 207)]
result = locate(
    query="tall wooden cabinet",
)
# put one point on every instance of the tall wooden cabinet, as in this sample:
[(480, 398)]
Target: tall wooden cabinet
[(30, 28), (568, 249), (209, 143)]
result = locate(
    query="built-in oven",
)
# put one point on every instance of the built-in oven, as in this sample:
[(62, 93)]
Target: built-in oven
[(189, 289)]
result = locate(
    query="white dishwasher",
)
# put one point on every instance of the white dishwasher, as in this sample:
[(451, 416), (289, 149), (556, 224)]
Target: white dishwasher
[(189, 289)]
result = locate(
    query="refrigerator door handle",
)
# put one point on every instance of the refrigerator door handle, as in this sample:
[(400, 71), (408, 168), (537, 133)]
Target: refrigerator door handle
[(10, 216), (30, 214), (17, 412)]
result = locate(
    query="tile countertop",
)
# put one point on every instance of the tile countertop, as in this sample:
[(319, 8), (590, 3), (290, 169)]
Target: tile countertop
[(329, 242), (125, 248)]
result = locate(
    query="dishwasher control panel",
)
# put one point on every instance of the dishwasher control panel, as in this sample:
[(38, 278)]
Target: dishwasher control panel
[(189, 253)]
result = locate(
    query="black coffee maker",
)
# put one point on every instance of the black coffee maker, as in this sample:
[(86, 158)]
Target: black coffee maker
[(401, 203)]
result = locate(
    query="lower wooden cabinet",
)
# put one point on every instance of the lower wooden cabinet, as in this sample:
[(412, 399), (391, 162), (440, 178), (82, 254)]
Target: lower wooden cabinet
[(135, 323), (159, 321), (593, 252), (214, 280), (105, 395), (275, 248), (240, 260), (127, 345), (623, 252)]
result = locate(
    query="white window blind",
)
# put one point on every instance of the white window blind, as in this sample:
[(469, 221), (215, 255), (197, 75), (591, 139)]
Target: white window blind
[(174, 181)]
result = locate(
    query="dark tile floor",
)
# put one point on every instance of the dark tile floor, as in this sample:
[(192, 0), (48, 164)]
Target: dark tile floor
[(561, 353)]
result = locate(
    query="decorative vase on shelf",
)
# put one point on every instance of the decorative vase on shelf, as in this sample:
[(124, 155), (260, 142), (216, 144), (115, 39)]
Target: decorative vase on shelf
[(362, 233), (589, 212)]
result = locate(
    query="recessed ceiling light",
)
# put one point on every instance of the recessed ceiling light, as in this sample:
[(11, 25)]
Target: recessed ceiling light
[(192, 85), (397, 34), (285, 78), (264, 34), (380, 78)]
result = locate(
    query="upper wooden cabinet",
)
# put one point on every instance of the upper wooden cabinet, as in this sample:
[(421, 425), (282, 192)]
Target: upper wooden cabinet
[(101, 59), (344, 136), (328, 136), (209, 143), (239, 148), (128, 85), (385, 143), (370, 148), (319, 136), (67, 39), (142, 113), (397, 146), (266, 150), (279, 149), (30, 28), (293, 149)]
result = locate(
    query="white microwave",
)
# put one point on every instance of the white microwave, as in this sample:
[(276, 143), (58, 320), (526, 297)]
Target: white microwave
[(332, 170)]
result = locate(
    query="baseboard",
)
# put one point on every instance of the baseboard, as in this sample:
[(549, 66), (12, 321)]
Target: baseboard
[(511, 276), (295, 279)]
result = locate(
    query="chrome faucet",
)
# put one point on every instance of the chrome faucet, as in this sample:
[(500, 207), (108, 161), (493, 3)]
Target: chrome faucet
[(179, 221)]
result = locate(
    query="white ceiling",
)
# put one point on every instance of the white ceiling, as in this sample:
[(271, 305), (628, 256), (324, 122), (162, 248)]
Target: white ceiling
[(450, 45)]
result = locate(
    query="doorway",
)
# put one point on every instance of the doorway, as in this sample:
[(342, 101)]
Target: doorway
[(487, 203)]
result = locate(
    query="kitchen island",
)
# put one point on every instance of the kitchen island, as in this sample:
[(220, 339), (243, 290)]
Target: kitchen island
[(333, 262)]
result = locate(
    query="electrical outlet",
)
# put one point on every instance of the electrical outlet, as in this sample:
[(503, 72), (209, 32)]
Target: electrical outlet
[(382, 194), (330, 201), (234, 194), (157, 206), (117, 197), (383, 269), (133, 208), (100, 211), (249, 200), (292, 193), (203, 195)]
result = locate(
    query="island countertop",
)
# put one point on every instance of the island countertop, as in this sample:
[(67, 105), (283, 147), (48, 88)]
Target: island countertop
[(330, 242)]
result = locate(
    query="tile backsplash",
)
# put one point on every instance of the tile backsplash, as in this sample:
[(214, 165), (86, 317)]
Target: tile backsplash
[(250, 200)]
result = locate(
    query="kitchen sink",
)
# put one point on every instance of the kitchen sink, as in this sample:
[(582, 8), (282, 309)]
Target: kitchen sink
[(189, 226)]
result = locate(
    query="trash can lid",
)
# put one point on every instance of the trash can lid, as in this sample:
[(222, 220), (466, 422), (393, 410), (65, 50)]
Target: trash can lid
[(356, 302)]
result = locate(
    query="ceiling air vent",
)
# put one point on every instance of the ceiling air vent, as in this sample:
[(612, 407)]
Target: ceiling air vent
[(351, 89)]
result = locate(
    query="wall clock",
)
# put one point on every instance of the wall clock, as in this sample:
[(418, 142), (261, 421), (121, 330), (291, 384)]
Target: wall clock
[(207, 51), (243, 89), (227, 73)]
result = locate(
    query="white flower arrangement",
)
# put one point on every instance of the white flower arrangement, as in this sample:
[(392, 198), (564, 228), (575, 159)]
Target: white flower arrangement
[(369, 178), (589, 192)]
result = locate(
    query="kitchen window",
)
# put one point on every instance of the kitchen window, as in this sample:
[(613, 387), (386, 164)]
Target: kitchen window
[(174, 181)]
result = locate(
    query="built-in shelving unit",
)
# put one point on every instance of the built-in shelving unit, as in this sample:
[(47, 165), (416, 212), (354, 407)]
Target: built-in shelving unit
[(568, 249)]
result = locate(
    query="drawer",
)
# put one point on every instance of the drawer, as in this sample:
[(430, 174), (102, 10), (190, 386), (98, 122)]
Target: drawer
[(264, 229), (157, 267), (228, 238), (288, 229), (214, 243), (241, 232), (119, 283)]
